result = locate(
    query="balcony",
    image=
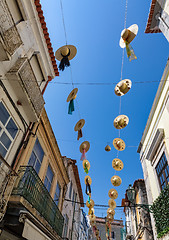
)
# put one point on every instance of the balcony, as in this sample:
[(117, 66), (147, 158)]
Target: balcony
[(22, 78), (9, 37), (31, 188)]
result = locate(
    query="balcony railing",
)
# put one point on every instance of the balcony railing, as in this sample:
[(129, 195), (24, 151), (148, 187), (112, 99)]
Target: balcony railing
[(30, 186)]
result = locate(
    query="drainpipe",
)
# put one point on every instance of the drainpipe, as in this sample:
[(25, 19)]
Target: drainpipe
[(49, 79), (73, 216)]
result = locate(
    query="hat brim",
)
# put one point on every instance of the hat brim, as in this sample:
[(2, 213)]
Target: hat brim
[(122, 147), (87, 146), (79, 125), (117, 87), (118, 182), (89, 180), (118, 118), (120, 166), (112, 203), (133, 30), (91, 204), (72, 94), (115, 195), (84, 161), (72, 49)]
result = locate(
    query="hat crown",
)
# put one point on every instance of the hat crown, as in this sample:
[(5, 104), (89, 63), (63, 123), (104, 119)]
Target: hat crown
[(64, 51), (124, 34)]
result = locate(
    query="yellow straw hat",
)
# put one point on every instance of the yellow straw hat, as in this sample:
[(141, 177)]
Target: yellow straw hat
[(119, 144), (85, 145), (128, 35), (116, 181), (72, 94), (91, 204), (86, 164), (107, 148), (79, 125), (122, 87), (121, 121), (113, 193), (117, 164), (89, 180), (64, 50), (112, 203), (110, 211)]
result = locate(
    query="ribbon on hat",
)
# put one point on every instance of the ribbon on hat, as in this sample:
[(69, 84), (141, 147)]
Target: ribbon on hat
[(80, 135), (64, 61), (83, 157), (71, 107), (130, 52), (85, 168)]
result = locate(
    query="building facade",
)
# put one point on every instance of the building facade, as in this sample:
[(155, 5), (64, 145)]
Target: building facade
[(35, 205), (73, 202), (158, 20), (116, 229), (27, 64), (154, 157), (138, 222), (84, 226)]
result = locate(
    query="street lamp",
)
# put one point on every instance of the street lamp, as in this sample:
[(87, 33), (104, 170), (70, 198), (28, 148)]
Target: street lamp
[(131, 193)]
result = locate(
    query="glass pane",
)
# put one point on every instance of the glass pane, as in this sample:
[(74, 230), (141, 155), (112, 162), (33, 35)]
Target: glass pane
[(49, 174), (5, 140), (37, 166), (58, 188), (38, 150), (4, 115), (46, 182), (32, 160), (2, 150), (12, 128)]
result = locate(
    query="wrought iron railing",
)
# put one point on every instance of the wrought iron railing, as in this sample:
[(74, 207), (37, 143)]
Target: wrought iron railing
[(30, 186)]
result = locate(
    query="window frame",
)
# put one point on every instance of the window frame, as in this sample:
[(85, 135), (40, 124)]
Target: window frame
[(160, 173), (50, 181), (4, 129)]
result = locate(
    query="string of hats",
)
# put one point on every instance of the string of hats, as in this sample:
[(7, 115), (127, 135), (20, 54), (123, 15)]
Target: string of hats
[(64, 54), (121, 121)]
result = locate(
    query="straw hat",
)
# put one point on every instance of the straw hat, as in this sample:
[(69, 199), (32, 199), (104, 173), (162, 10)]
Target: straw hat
[(128, 35), (112, 203), (91, 204), (121, 121), (92, 217), (113, 193), (86, 162), (64, 51), (107, 148), (85, 145), (79, 125), (123, 87), (110, 211), (89, 180), (72, 94), (119, 144), (110, 217), (116, 181), (117, 164)]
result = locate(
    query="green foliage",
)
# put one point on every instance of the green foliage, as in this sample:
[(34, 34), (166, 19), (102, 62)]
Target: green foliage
[(160, 209)]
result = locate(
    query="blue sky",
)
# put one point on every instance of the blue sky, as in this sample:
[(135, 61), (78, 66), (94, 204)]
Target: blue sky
[(94, 27)]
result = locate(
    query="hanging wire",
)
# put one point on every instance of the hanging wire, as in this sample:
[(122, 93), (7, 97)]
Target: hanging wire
[(64, 26)]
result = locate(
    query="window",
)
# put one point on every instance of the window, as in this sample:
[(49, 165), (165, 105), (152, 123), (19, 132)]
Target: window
[(34, 62), (48, 178), (66, 221), (73, 199), (70, 190), (15, 11), (8, 130), (112, 235), (162, 170), (57, 193), (36, 157)]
